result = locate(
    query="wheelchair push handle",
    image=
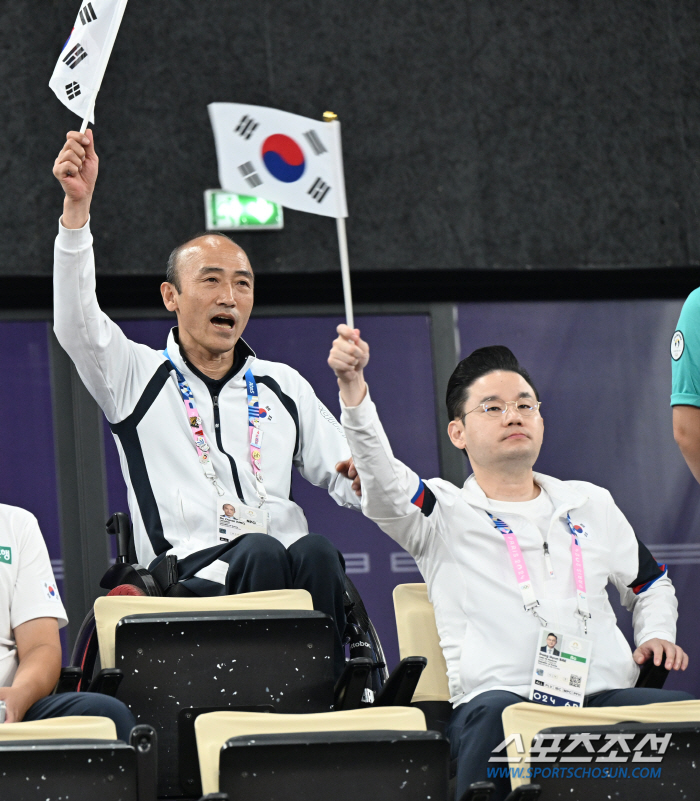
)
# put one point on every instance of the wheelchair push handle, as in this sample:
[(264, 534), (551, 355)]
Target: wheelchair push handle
[(120, 526)]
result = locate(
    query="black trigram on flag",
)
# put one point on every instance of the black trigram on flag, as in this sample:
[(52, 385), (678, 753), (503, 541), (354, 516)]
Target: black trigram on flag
[(246, 127), (248, 172), (76, 55), (319, 189), (87, 14), (315, 141), (72, 90)]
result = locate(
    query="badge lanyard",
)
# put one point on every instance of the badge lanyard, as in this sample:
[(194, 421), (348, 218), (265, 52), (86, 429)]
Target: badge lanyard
[(255, 434), (522, 576), (195, 420), (579, 577)]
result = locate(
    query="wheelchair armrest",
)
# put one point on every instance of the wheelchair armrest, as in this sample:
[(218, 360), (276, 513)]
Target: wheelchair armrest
[(399, 687), (351, 684), (69, 680), (652, 676), (107, 681)]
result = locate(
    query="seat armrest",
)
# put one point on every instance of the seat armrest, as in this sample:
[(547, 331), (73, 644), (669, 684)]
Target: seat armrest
[(399, 687), (69, 680), (107, 681), (652, 676)]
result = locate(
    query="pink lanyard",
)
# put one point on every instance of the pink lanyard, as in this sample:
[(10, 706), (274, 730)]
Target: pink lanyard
[(530, 602), (579, 576)]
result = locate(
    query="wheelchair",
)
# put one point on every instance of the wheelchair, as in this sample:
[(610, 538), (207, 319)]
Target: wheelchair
[(127, 577)]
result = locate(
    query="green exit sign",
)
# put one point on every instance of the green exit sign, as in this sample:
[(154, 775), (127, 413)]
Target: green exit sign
[(227, 211)]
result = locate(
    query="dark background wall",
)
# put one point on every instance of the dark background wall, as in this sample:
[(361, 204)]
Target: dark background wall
[(514, 135)]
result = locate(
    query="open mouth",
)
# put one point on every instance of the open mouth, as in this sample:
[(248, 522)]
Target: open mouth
[(226, 323)]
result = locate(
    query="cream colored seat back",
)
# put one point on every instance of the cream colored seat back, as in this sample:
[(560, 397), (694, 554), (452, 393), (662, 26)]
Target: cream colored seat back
[(215, 728), (110, 610), (68, 728), (527, 719), (418, 636)]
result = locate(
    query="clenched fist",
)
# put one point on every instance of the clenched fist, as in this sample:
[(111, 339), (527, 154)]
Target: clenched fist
[(76, 170), (348, 358)]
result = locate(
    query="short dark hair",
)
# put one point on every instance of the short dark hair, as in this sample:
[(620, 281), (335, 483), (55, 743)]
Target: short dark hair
[(171, 271), (478, 364), (552, 634)]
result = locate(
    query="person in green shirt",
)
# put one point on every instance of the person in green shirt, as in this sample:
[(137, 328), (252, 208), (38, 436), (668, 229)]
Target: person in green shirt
[(685, 382)]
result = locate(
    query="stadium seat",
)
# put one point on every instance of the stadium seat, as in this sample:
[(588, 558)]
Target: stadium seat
[(418, 634), (530, 720), (375, 752), (182, 656), (78, 758)]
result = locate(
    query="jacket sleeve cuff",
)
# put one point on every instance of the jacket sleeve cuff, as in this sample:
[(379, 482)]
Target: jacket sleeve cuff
[(655, 635), (74, 238), (357, 417)]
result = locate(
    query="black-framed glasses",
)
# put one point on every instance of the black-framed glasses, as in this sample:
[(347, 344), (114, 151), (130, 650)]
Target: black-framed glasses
[(495, 408)]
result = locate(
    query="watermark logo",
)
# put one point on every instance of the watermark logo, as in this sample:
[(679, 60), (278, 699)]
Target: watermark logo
[(585, 747)]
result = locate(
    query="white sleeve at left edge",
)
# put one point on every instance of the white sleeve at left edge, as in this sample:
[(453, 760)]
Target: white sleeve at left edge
[(322, 444), (645, 589), (35, 593)]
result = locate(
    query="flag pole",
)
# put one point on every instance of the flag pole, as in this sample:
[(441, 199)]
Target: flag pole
[(329, 116)]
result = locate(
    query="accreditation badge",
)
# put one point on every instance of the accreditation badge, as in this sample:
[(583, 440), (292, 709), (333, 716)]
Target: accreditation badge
[(234, 519), (561, 669)]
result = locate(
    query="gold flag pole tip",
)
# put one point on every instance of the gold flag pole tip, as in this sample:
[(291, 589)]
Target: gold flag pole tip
[(329, 116)]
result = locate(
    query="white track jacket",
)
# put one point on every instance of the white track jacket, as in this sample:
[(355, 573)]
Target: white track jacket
[(487, 637), (172, 503)]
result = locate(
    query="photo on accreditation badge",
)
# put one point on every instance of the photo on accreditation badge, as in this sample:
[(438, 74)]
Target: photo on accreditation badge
[(561, 669)]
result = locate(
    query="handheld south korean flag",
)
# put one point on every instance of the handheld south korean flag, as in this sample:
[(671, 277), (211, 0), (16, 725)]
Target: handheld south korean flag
[(81, 66), (291, 160)]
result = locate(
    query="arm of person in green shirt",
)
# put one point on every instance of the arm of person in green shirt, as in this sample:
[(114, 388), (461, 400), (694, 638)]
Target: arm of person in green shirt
[(685, 390), (686, 432)]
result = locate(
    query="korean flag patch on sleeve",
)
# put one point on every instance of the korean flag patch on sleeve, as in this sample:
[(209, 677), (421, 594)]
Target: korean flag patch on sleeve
[(51, 591)]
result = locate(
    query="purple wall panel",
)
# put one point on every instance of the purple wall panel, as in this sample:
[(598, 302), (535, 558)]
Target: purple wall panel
[(603, 371), (401, 379)]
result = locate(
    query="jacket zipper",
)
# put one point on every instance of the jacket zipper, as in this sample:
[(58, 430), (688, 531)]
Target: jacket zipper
[(217, 429)]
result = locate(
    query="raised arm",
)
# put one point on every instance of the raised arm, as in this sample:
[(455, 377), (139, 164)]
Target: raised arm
[(392, 494), (114, 370), (76, 169)]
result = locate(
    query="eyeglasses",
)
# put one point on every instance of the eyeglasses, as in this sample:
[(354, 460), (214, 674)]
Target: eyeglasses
[(495, 408)]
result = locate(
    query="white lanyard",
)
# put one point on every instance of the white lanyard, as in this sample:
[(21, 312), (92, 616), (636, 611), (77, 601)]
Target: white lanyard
[(200, 441), (196, 429), (255, 434)]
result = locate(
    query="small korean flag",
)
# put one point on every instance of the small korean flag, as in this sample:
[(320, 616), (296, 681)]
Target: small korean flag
[(83, 60), (291, 160)]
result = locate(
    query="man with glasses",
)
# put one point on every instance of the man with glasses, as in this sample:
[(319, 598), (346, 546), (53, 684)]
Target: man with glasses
[(510, 554)]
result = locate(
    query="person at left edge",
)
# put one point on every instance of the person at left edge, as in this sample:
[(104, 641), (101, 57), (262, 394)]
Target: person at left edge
[(182, 462), (31, 614)]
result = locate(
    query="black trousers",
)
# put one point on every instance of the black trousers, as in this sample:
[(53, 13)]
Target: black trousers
[(260, 562)]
